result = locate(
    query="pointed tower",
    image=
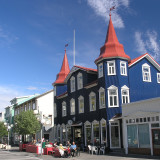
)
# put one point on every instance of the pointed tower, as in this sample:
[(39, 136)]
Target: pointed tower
[(59, 85), (64, 71), (112, 65)]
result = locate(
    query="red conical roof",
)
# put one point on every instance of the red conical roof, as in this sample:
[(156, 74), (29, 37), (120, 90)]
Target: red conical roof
[(64, 70), (112, 48)]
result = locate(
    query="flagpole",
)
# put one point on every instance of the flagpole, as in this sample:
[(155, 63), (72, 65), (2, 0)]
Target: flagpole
[(74, 54)]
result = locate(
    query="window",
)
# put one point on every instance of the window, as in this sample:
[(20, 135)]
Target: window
[(103, 132), (100, 70), (158, 77), (92, 100), (64, 111), (72, 83), (55, 110), (101, 98), (72, 105), (123, 68), (125, 94), (25, 107), (54, 90), (96, 134), (113, 96), (146, 73), (33, 105), (79, 81), (87, 133), (29, 106), (111, 68), (69, 133), (81, 104)]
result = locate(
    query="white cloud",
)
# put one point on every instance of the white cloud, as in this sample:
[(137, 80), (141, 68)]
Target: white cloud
[(102, 8), (32, 88), (148, 42)]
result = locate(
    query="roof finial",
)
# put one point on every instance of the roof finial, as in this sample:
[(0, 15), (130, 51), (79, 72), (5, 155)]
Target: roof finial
[(112, 8), (66, 45)]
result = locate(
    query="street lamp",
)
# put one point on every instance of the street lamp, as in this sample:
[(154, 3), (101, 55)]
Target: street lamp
[(8, 129)]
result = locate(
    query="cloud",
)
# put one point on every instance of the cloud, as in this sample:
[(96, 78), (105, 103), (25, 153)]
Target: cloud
[(148, 42), (32, 88), (102, 8)]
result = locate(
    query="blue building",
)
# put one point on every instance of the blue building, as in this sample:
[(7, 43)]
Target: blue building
[(88, 102)]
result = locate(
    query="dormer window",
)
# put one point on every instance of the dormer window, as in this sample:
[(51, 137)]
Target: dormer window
[(111, 68), (101, 98), (123, 68), (79, 81), (100, 70), (72, 106), (72, 84), (92, 100), (125, 94), (113, 96), (146, 73), (64, 111), (158, 77)]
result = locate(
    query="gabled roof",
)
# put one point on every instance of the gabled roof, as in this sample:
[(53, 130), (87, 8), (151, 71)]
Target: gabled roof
[(63, 72), (75, 68), (112, 48), (146, 55)]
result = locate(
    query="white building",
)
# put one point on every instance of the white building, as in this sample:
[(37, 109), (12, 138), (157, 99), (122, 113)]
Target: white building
[(141, 127), (1, 116)]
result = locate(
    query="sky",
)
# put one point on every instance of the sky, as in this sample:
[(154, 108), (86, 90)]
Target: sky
[(33, 35)]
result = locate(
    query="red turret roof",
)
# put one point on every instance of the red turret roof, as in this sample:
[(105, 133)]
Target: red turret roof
[(112, 48), (64, 71)]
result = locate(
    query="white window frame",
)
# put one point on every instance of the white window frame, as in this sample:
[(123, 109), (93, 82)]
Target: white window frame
[(103, 121), (64, 109), (71, 110), (100, 70), (72, 84), (79, 100), (79, 81), (113, 69), (116, 89), (144, 73), (95, 122), (55, 110), (100, 104), (55, 91), (158, 77), (125, 88), (90, 96), (123, 69), (87, 123)]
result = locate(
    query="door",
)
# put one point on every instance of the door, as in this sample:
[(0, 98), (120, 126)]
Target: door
[(78, 135), (156, 141)]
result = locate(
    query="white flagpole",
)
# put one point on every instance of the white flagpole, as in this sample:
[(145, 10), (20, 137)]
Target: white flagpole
[(74, 54)]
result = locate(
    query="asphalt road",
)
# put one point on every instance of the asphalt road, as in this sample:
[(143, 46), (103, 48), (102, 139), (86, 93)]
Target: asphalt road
[(16, 155)]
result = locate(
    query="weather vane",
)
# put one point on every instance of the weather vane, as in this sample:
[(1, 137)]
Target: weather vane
[(112, 8)]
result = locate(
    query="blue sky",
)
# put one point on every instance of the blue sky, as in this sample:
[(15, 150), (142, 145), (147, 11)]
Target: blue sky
[(33, 35)]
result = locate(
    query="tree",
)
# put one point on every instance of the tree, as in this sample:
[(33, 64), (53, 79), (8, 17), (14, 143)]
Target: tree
[(26, 123), (3, 130)]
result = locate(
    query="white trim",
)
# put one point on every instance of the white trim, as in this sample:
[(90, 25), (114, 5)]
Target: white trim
[(150, 59), (100, 70), (100, 91), (91, 95), (123, 69), (91, 85), (145, 65), (103, 121), (158, 77), (116, 89), (125, 88), (64, 105), (114, 67), (85, 137)]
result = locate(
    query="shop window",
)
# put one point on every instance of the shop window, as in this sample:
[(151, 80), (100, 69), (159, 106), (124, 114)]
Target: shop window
[(87, 133), (69, 135), (96, 134), (92, 100), (100, 70), (103, 132), (81, 104), (101, 98), (63, 134), (111, 68), (79, 81), (146, 73)]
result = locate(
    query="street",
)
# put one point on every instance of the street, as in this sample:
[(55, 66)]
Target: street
[(16, 155)]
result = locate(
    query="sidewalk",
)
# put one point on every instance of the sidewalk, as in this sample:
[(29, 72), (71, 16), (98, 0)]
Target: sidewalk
[(86, 156)]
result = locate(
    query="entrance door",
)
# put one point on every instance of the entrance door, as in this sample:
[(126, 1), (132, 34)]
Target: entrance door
[(77, 137), (156, 141)]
